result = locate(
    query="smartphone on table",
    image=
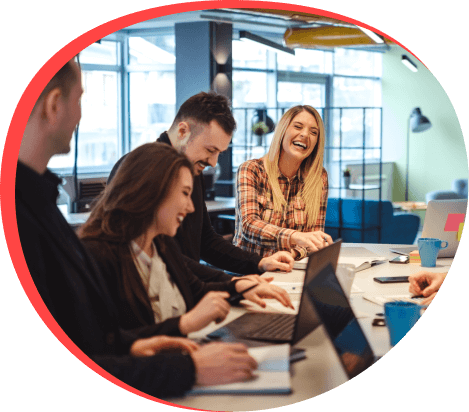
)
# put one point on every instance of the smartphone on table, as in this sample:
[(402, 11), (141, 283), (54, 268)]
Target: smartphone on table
[(400, 259), (391, 279)]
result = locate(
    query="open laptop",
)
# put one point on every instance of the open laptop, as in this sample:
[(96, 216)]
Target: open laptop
[(442, 220), (280, 327), (333, 310)]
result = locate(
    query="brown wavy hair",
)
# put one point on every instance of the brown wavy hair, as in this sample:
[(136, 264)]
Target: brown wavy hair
[(127, 206)]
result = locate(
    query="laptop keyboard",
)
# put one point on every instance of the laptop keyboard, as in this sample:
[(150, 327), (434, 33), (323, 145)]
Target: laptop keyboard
[(277, 327)]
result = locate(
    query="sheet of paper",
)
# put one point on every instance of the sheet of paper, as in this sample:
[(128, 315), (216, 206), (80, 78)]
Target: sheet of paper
[(382, 299), (356, 289), (273, 358)]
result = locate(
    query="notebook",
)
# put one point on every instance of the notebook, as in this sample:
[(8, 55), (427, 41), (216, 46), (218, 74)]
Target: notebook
[(251, 326), (442, 220), (341, 325), (360, 257), (272, 375)]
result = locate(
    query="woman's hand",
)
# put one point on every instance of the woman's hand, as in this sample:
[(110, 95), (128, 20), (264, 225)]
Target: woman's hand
[(264, 290), (151, 346), (311, 241), (212, 307), (282, 261)]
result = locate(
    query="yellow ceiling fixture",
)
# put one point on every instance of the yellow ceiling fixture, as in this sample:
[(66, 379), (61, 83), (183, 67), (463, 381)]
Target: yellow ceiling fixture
[(326, 37), (313, 31)]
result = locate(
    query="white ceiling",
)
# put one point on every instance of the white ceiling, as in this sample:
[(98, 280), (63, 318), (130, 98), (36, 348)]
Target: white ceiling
[(271, 25), (240, 20)]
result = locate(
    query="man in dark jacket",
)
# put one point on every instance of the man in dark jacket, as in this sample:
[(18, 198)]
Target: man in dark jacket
[(202, 129), (68, 280)]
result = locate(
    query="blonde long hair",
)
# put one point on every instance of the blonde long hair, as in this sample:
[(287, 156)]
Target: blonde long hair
[(311, 168)]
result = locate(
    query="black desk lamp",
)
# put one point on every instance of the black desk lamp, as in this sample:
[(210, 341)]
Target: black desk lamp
[(417, 123)]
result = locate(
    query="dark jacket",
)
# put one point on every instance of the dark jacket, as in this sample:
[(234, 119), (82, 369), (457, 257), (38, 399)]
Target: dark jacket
[(119, 271), (73, 290), (198, 240)]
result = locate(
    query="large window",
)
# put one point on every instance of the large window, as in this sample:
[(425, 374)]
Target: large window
[(344, 85), (129, 99), (100, 125), (152, 87), (130, 94)]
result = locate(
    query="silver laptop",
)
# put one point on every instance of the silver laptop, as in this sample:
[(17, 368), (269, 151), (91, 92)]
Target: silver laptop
[(441, 222)]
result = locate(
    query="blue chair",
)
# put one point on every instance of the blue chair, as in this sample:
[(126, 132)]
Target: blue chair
[(460, 187), (459, 191), (396, 228)]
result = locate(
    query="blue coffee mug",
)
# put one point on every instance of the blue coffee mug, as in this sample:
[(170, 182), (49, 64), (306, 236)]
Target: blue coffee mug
[(428, 250), (400, 317)]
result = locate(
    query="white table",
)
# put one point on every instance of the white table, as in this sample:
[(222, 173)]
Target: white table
[(321, 370)]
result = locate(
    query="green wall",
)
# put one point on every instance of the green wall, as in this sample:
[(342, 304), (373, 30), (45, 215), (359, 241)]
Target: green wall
[(438, 155)]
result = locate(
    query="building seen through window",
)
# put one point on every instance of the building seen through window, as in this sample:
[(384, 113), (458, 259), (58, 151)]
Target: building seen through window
[(130, 98)]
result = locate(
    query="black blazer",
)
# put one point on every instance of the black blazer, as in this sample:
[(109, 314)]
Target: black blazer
[(75, 293), (116, 264)]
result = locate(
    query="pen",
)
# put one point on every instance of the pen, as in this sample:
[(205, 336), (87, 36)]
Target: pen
[(237, 298)]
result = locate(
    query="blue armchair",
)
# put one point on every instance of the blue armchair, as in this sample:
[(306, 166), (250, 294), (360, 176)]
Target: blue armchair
[(397, 228), (459, 191)]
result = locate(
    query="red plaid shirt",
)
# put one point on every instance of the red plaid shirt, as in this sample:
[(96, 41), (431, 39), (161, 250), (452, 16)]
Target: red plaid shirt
[(261, 229)]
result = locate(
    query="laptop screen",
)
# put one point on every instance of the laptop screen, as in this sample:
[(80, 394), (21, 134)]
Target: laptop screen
[(307, 319), (337, 316)]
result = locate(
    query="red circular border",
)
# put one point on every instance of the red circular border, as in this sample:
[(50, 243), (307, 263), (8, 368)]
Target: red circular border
[(21, 115)]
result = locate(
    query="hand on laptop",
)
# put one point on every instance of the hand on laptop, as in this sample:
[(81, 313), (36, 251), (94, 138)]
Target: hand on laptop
[(282, 261), (155, 344), (426, 284), (264, 290)]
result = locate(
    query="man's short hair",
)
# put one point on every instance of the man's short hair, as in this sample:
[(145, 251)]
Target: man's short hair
[(205, 107), (64, 79)]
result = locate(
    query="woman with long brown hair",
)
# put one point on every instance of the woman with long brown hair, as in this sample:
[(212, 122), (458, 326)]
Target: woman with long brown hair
[(282, 197), (129, 234)]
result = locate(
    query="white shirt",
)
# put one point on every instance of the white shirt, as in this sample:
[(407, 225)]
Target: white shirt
[(165, 298)]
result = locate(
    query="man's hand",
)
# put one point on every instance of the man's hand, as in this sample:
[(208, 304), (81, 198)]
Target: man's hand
[(151, 346), (264, 290), (311, 241), (425, 283), (219, 363), (278, 261)]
